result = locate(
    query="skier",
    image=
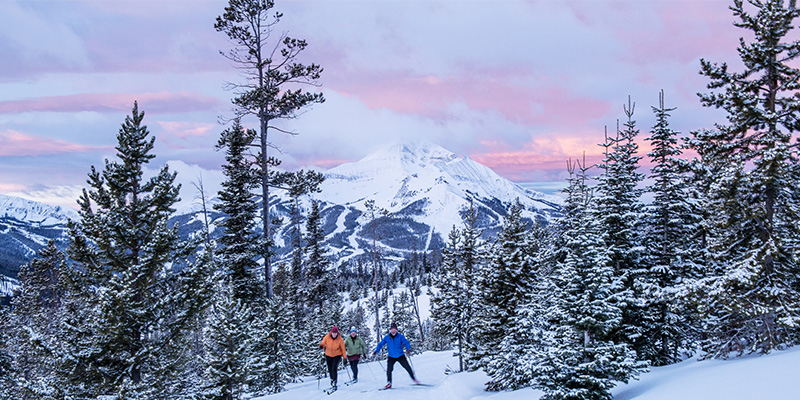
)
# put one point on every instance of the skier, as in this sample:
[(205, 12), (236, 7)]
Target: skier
[(394, 342), (334, 348), (356, 347)]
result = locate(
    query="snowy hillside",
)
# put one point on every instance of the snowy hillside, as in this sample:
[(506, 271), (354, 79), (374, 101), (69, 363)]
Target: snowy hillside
[(767, 377)]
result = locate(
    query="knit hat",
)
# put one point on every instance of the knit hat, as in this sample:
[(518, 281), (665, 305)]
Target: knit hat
[(334, 329), (353, 329), (394, 325)]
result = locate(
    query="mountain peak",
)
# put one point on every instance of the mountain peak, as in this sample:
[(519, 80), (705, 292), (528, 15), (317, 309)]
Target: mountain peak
[(420, 153)]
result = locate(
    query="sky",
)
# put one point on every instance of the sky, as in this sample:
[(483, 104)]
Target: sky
[(520, 86)]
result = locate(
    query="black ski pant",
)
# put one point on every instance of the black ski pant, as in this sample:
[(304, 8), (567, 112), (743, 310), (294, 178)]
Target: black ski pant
[(333, 366), (354, 367), (390, 366)]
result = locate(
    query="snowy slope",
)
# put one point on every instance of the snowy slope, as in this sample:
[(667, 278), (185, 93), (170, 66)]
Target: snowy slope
[(771, 377)]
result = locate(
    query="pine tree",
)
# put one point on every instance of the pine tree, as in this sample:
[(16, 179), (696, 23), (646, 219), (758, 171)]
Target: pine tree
[(35, 324), (752, 298), (502, 285), (271, 91), (276, 342), (580, 358), (317, 262), (228, 343), (620, 213), (137, 286), (453, 302), (239, 243), (529, 332), (671, 226), (403, 316)]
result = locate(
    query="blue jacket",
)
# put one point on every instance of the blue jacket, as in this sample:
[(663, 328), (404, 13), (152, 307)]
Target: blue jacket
[(394, 345)]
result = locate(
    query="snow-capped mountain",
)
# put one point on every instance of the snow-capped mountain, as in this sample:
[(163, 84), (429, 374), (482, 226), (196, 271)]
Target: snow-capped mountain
[(425, 189), (25, 227)]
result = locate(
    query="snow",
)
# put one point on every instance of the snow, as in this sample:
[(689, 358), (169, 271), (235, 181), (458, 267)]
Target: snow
[(34, 212), (766, 377), (8, 285), (405, 172)]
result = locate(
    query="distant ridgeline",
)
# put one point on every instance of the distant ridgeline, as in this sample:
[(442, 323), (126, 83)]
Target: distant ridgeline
[(424, 189)]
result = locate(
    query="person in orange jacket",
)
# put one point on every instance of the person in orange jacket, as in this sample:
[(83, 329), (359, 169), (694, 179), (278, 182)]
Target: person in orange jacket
[(333, 344)]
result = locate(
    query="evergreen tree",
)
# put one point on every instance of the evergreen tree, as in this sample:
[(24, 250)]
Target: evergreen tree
[(357, 317), (671, 226), (403, 316), (529, 332), (35, 324), (276, 342), (229, 338), (752, 299), (580, 358), (618, 209), (271, 91), (137, 286), (317, 262), (503, 284), (453, 301), (240, 245)]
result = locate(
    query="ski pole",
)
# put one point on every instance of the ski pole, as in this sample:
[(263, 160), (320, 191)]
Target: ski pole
[(379, 363), (370, 370), (347, 369)]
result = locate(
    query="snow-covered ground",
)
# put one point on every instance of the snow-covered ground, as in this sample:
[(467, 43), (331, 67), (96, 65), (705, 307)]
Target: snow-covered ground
[(771, 377)]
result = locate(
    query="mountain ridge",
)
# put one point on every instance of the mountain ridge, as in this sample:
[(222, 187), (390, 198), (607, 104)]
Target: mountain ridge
[(425, 188)]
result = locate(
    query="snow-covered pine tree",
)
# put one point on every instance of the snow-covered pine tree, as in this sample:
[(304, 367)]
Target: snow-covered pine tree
[(7, 382), (529, 332), (403, 316), (136, 285), (239, 243), (357, 317), (276, 343), (580, 358), (228, 340), (35, 324), (502, 285), (670, 227), (317, 279), (618, 208), (753, 302), (454, 291)]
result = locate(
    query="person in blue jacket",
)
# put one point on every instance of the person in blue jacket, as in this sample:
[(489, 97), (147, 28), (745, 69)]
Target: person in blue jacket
[(394, 342)]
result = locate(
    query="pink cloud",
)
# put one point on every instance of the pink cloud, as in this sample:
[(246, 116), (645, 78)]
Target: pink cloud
[(13, 143), (159, 102), (184, 129), (11, 187), (503, 92)]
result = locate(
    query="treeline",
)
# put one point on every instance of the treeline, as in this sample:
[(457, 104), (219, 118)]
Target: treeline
[(616, 285)]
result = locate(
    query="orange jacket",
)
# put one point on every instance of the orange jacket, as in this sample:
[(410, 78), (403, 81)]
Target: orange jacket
[(333, 347)]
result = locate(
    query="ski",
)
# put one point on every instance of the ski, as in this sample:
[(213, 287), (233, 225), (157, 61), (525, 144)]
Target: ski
[(329, 390), (348, 383)]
